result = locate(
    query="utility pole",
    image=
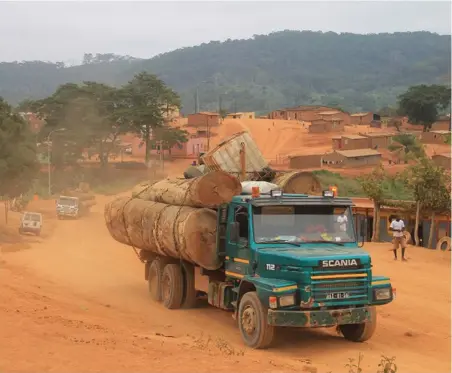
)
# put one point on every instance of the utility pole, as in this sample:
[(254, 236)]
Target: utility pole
[(49, 163)]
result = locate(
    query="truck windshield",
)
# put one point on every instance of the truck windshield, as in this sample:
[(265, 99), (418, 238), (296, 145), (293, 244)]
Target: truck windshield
[(303, 224), (67, 202), (32, 217)]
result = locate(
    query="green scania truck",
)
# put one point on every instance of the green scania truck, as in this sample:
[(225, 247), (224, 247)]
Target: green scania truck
[(289, 261)]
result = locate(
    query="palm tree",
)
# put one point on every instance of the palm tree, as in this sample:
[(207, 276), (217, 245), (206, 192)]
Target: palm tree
[(408, 145)]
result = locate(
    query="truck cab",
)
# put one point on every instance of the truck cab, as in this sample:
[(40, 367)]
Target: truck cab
[(288, 261), (67, 207)]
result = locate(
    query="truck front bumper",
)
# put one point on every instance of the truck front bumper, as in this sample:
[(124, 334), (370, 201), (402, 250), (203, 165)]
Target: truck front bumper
[(323, 318)]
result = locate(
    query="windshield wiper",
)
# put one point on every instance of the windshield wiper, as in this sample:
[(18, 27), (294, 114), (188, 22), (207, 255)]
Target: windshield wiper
[(325, 241), (282, 241)]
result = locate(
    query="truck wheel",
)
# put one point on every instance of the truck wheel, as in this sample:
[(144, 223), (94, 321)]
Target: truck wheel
[(252, 320), (155, 279), (189, 298), (360, 332), (172, 286)]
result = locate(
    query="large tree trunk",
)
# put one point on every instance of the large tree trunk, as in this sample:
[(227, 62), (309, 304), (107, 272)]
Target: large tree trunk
[(299, 182), (376, 223), (209, 190), (175, 231), (432, 230), (416, 224), (147, 143)]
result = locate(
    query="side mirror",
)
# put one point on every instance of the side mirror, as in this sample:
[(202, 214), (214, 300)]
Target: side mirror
[(234, 231)]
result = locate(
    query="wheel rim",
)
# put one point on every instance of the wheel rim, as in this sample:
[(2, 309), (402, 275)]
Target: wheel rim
[(166, 287), (248, 320)]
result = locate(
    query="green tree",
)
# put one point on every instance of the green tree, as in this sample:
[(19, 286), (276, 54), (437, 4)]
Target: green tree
[(88, 113), (18, 160), (167, 137), (431, 190), (144, 101), (408, 145), (373, 185), (422, 103)]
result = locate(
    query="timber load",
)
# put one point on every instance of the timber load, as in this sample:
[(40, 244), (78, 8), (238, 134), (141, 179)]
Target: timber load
[(207, 191), (299, 182), (176, 231)]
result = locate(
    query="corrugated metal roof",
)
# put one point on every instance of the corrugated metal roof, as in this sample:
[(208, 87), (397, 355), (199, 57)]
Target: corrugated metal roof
[(353, 137), (378, 134), (447, 155), (330, 112), (441, 132), (358, 153), (359, 114)]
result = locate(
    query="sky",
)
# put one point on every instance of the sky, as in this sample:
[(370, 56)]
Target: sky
[(64, 31)]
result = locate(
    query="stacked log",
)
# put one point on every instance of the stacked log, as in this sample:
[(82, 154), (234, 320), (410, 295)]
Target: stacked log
[(299, 182), (207, 191), (177, 231)]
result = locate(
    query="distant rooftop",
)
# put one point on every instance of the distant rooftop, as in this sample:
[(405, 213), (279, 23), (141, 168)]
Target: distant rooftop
[(378, 134), (441, 132), (359, 114), (358, 153), (353, 137), (329, 112)]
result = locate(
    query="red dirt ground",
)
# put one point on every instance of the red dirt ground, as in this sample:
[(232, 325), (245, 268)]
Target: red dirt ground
[(75, 300)]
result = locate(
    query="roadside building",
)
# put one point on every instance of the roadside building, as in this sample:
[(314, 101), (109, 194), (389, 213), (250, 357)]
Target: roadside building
[(442, 124), (435, 137), (443, 160), (203, 119), (378, 140), (303, 161), (321, 126), (363, 211), (244, 115), (352, 158), (350, 142)]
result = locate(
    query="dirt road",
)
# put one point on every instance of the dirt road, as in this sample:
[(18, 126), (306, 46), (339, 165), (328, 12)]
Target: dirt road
[(76, 300)]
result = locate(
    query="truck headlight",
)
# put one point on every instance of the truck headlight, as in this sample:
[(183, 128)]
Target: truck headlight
[(287, 300), (382, 294)]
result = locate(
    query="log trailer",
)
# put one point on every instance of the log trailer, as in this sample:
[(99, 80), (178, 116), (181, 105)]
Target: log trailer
[(289, 260)]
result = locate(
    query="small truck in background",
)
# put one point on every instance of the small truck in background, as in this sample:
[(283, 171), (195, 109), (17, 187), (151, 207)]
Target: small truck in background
[(70, 207), (289, 260)]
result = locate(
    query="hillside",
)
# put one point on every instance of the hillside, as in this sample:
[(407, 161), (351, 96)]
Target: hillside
[(355, 72)]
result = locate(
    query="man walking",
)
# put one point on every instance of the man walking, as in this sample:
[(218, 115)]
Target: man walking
[(397, 227)]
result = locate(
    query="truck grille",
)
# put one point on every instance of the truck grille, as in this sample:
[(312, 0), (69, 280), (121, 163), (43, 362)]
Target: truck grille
[(340, 287)]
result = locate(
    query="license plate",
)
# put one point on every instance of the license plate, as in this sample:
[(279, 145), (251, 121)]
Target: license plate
[(341, 295)]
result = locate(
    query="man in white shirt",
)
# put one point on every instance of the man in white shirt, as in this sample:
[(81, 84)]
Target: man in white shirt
[(397, 227), (342, 220)]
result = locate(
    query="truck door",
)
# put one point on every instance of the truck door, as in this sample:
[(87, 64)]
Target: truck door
[(237, 251)]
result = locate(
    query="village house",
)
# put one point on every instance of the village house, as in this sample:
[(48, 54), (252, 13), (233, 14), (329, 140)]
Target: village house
[(335, 116), (35, 123), (435, 137), (363, 211), (443, 160), (350, 142), (303, 113), (378, 140), (203, 119), (365, 119), (246, 115), (442, 124), (321, 126), (303, 161), (352, 158)]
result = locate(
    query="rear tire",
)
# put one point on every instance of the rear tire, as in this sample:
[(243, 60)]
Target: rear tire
[(190, 294), (172, 286), (252, 320), (155, 279), (360, 332)]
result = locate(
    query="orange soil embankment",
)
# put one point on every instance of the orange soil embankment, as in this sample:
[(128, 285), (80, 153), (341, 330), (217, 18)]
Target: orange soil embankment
[(78, 293)]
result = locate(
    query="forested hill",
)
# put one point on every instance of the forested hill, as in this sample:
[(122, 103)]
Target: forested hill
[(355, 72)]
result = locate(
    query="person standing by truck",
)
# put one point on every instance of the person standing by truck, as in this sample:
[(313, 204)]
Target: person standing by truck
[(397, 227)]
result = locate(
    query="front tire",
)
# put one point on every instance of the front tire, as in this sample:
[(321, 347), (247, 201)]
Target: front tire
[(172, 286), (360, 332), (252, 320)]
